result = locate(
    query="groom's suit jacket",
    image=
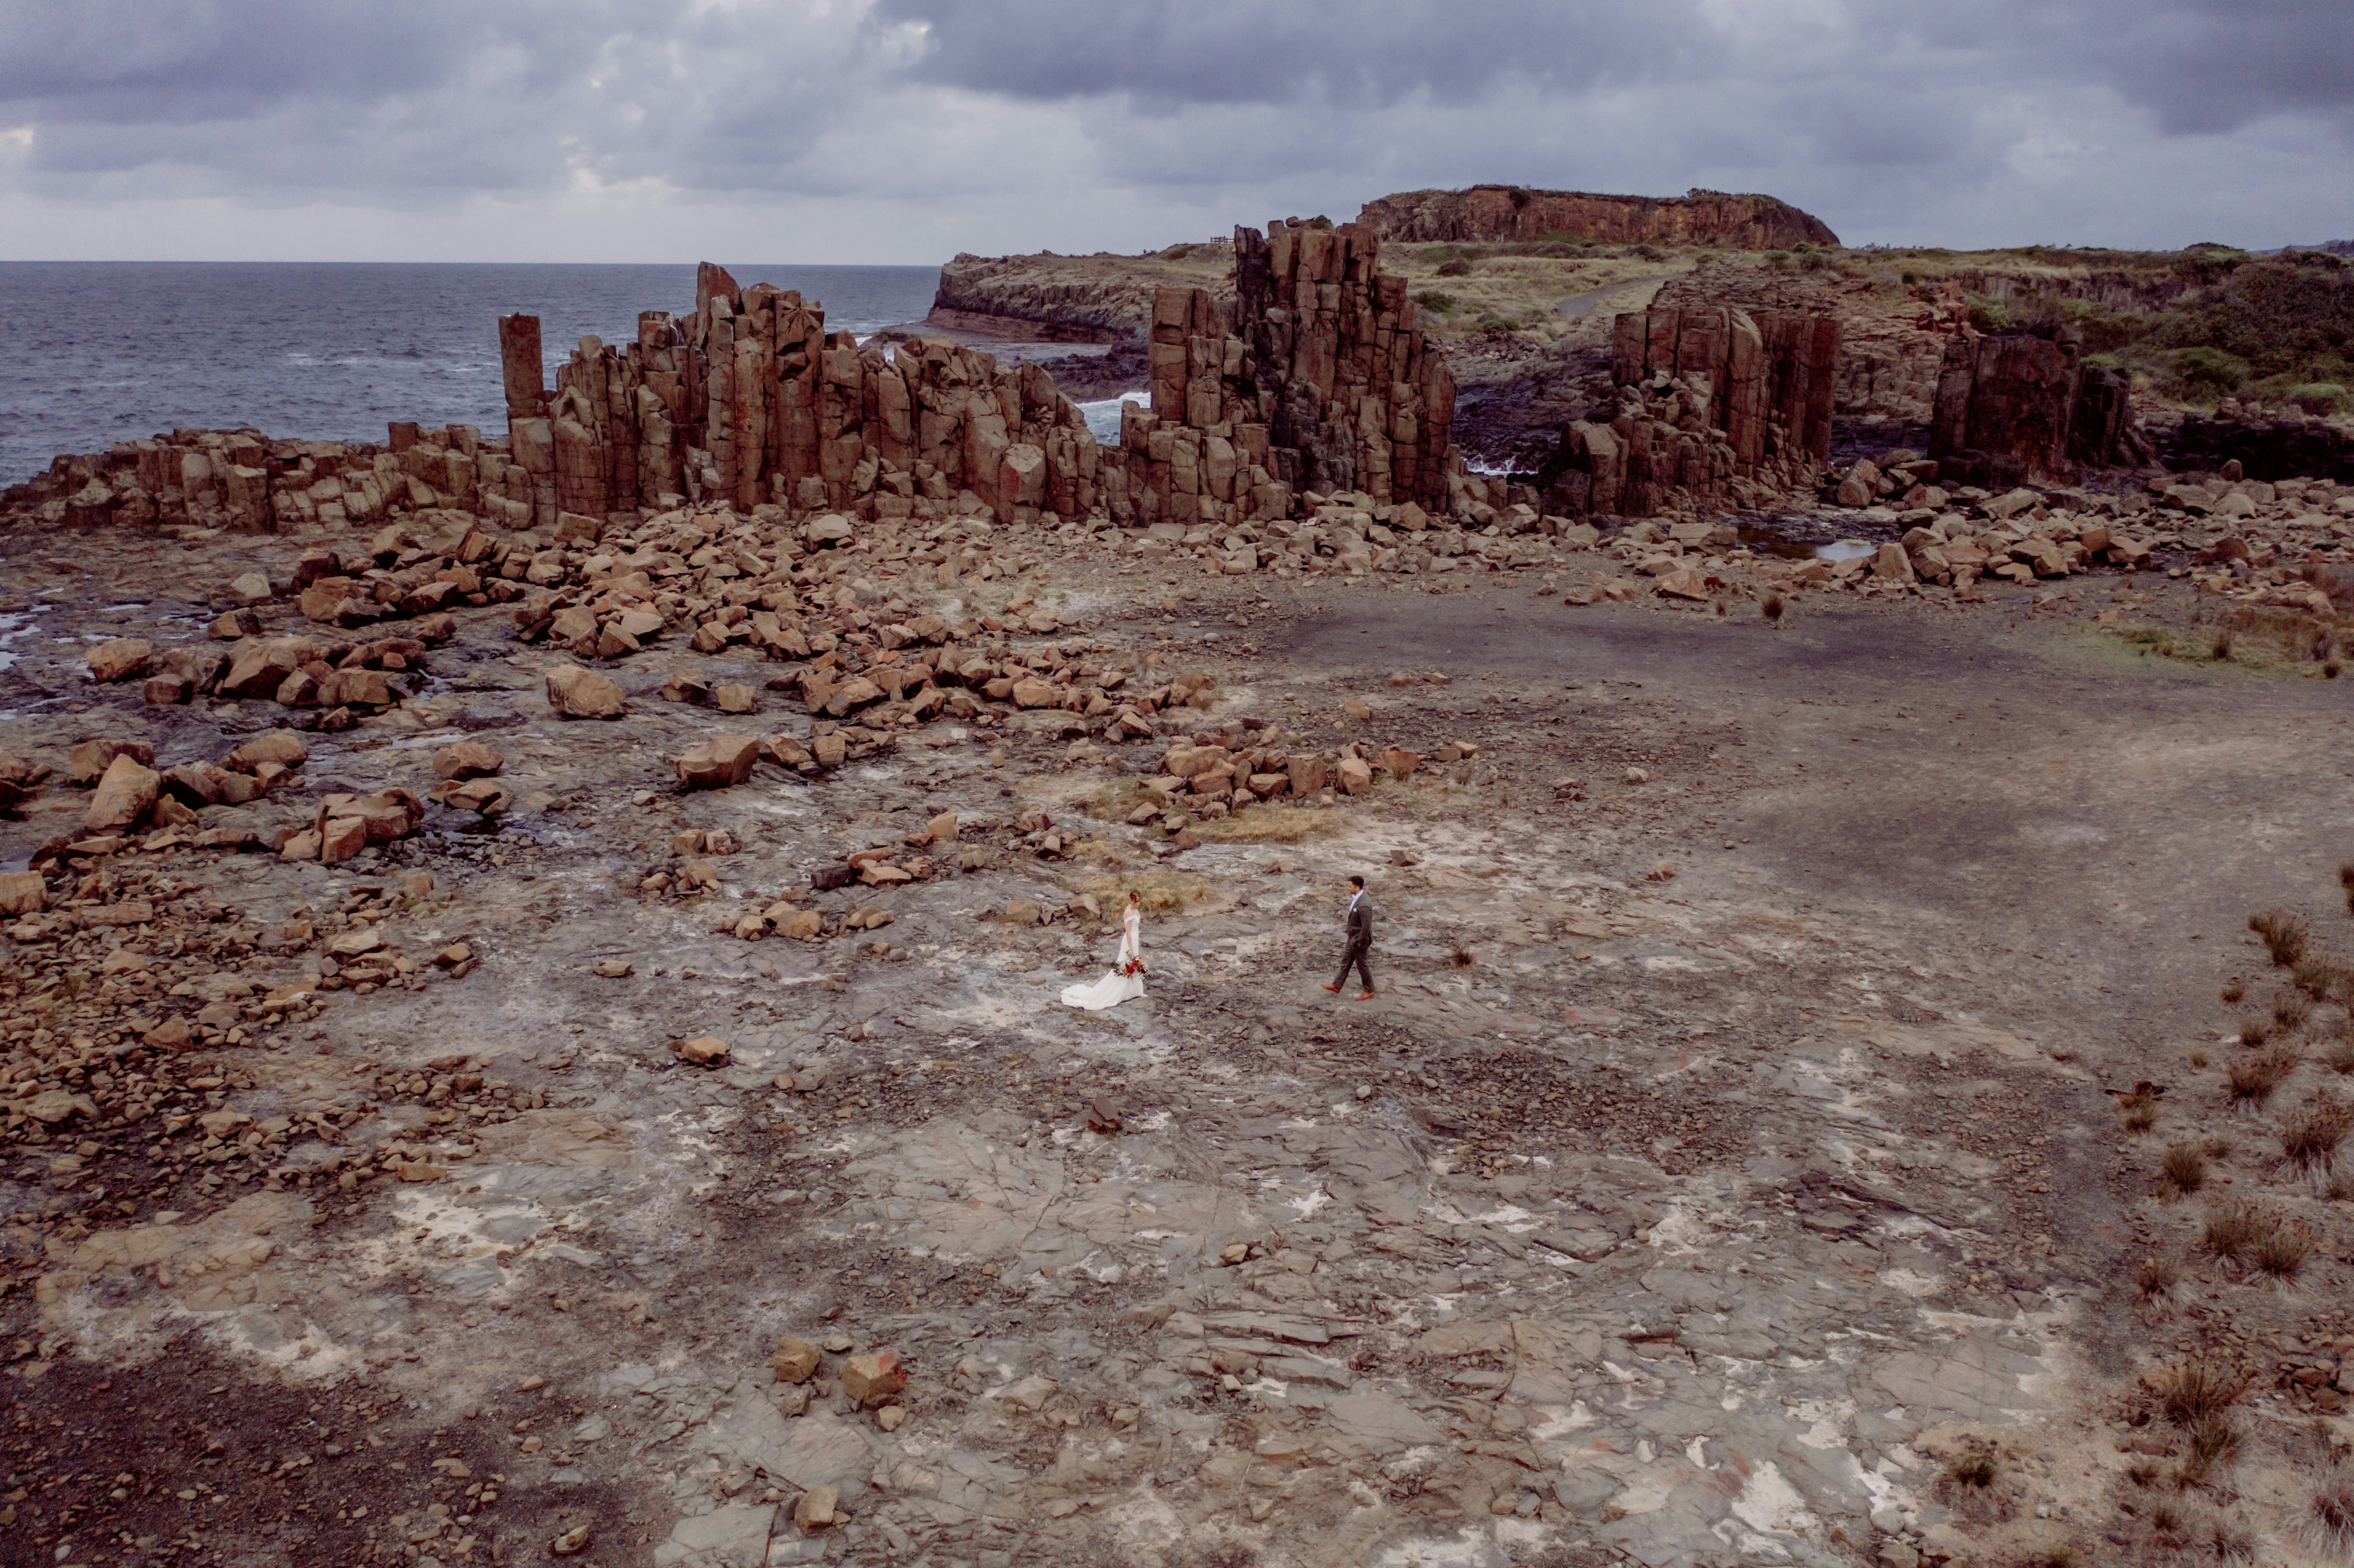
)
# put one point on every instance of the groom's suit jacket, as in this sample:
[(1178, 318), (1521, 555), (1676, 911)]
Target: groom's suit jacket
[(1361, 922)]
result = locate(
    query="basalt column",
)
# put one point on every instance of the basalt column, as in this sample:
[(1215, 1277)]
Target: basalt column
[(1321, 381)]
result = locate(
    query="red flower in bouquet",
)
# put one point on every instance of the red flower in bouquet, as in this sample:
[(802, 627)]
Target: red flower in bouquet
[(1134, 966)]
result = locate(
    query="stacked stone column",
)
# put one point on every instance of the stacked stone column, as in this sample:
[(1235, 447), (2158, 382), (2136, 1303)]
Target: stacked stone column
[(1321, 381)]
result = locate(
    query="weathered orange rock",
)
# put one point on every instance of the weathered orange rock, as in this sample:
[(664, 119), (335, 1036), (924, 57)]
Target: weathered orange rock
[(123, 659), (126, 792), (467, 760), (575, 692), (795, 1359), (872, 1378), (282, 746), (720, 763)]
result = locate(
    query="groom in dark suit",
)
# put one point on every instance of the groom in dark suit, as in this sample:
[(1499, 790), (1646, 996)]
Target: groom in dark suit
[(1360, 943)]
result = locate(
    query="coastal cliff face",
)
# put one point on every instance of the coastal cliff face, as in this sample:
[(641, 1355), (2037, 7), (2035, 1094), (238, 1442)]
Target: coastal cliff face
[(1509, 212), (1073, 298)]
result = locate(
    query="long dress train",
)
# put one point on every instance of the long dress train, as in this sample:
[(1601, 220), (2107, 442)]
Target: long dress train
[(1115, 987)]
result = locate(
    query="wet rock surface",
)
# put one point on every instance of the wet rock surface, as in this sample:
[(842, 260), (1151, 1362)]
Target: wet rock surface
[(688, 1162)]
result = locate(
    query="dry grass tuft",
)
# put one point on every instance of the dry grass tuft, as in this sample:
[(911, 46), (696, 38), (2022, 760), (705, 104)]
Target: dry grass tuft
[(2154, 1276), (2340, 1058), (2234, 990), (1161, 891), (2230, 1540), (2310, 1140), (2232, 1230), (2197, 1391), (2185, 1168), (2329, 1524), (1976, 1468), (2280, 1253), (1771, 605), (2255, 1031), (1265, 825), (2291, 1007), (2284, 932), (1460, 956), (2253, 1078)]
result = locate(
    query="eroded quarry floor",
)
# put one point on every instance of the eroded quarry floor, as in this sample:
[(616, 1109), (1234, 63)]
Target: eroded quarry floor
[(1728, 1158)]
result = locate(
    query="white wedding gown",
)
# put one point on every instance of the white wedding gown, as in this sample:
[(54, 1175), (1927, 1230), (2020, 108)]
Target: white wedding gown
[(1113, 988)]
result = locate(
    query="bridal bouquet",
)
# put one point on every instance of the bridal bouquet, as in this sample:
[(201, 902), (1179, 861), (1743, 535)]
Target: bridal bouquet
[(1134, 966)]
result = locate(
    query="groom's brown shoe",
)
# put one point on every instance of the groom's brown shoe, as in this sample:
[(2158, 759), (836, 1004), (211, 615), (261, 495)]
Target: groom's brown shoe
[(1334, 989), (1365, 996)]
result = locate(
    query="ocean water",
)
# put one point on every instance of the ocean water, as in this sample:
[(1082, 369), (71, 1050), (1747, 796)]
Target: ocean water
[(1103, 416), (103, 352)]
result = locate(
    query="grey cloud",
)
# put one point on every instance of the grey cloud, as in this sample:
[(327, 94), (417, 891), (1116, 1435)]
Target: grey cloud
[(1247, 52), (1053, 121)]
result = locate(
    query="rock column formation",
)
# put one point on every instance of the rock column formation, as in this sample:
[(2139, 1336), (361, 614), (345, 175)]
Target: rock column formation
[(1715, 408), (2020, 408), (2005, 409), (1318, 380)]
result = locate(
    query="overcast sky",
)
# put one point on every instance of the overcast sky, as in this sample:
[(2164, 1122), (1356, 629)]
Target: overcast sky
[(872, 130)]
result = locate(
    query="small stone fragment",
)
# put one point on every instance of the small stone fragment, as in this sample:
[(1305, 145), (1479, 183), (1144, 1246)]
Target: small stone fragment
[(794, 1359), (704, 1051), (816, 1509), (873, 1378)]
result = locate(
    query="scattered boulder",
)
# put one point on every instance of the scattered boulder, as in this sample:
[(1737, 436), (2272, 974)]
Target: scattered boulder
[(869, 1379), (22, 892), (704, 1051), (467, 760), (816, 1509), (282, 746), (87, 762), (720, 763), (794, 1359), (126, 793), (123, 659), (575, 692)]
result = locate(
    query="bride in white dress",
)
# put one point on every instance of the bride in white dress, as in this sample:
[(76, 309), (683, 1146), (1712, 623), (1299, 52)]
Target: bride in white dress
[(1127, 977)]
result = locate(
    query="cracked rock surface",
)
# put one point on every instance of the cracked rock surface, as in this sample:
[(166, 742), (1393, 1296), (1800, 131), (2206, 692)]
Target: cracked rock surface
[(1725, 1152)]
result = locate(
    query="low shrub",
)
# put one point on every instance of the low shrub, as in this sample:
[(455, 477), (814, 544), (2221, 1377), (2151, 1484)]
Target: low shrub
[(2210, 371)]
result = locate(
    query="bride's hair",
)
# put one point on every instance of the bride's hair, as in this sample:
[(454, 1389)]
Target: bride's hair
[(1134, 896)]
